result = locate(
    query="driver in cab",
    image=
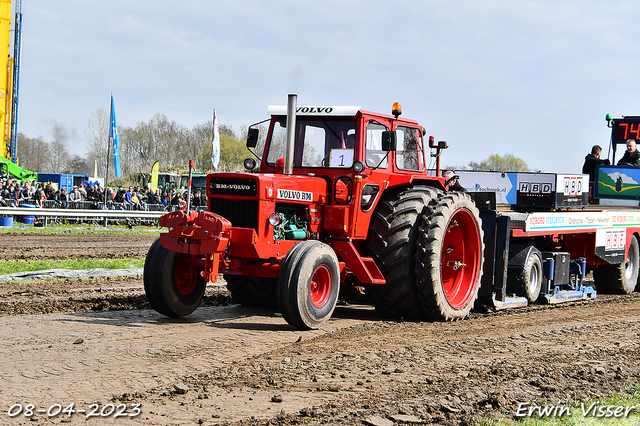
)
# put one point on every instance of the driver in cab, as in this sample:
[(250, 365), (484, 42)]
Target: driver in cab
[(631, 156)]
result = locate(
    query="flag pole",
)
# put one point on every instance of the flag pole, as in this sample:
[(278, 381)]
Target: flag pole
[(213, 138), (106, 175)]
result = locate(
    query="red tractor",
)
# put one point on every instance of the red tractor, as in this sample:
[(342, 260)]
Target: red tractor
[(342, 197)]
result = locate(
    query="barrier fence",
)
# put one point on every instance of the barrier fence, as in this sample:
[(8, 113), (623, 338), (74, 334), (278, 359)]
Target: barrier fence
[(85, 211)]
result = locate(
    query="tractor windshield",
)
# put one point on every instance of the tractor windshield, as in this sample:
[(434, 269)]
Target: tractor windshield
[(319, 142)]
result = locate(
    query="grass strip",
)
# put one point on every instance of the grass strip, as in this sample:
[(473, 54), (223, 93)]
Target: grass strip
[(600, 411), (13, 266)]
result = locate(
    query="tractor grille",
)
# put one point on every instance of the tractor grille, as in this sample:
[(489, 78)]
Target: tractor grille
[(241, 213)]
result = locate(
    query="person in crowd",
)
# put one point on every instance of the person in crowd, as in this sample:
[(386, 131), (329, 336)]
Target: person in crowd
[(40, 196), (83, 192), (591, 161), (198, 200), (49, 191), (131, 199), (111, 196), (119, 195), (63, 198), (631, 156), (26, 191), (74, 196), (99, 191)]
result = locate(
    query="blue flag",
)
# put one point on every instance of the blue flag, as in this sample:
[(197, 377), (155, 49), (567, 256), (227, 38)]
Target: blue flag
[(113, 137)]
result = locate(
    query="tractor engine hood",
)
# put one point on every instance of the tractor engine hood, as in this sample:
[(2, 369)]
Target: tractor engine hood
[(268, 186)]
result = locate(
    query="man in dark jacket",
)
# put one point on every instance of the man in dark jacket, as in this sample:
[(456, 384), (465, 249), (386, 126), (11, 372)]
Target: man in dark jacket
[(631, 156), (452, 179), (591, 161)]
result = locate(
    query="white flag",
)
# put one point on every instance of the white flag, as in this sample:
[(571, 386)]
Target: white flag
[(215, 145)]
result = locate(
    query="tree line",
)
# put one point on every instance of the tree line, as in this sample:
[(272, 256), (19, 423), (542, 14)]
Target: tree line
[(159, 139)]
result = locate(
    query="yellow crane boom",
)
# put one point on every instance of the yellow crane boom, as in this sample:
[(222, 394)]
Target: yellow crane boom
[(6, 63)]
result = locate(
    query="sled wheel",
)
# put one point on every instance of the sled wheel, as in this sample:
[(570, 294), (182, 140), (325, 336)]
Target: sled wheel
[(252, 291), (622, 278), (449, 258), (392, 240), (525, 278), (308, 285), (173, 286)]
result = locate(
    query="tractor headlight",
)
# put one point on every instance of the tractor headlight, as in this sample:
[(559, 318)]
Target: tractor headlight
[(249, 164), (276, 219), (358, 167)]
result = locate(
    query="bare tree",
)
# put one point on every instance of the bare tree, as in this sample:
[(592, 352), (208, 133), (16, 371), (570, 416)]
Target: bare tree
[(96, 134), (33, 153)]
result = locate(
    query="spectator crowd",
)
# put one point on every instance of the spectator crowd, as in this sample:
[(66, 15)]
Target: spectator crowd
[(13, 193)]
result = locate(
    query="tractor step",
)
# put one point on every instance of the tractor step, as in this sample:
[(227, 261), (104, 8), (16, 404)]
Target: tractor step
[(510, 303)]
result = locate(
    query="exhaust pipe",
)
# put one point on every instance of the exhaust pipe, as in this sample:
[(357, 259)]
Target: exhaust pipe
[(292, 105)]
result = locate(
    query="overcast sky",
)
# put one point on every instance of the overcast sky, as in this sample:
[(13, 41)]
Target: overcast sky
[(529, 78)]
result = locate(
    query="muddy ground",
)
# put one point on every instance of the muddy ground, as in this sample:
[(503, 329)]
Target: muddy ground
[(97, 342)]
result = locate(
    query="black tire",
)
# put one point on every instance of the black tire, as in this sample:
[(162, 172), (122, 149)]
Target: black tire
[(172, 287), (622, 278), (392, 240), (449, 258), (524, 276), (284, 279), (308, 285), (252, 291)]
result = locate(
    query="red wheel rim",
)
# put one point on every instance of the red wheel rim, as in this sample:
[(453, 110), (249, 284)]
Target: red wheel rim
[(185, 276), (320, 287), (460, 260)]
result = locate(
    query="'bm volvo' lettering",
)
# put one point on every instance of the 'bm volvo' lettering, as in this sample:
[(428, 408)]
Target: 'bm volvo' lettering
[(285, 194)]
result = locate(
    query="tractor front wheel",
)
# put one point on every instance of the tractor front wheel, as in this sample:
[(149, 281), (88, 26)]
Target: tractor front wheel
[(308, 285), (174, 287)]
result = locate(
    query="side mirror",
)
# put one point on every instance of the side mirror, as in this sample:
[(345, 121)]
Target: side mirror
[(252, 138), (388, 140)]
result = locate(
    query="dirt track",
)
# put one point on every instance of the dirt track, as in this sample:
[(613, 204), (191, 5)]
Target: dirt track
[(63, 343)]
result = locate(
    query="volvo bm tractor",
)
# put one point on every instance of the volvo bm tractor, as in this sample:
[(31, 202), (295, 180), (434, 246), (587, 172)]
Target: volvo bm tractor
[(342, 197)]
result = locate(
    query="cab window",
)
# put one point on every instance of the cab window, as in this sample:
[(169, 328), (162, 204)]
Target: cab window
[(374, 154), (409, 148)]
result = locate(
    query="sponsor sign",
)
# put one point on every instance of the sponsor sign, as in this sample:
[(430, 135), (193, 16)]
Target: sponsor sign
[(617, 182), (573, 190), (504, 184), (610, 244), (576, 221), (287, 194), (536, 189)]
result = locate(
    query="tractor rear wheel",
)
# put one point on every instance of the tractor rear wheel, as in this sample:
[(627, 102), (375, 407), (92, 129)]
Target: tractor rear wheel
[(392, 241), (449, 257), (174, 287), (622, 278), (308, 285), (252, 291)]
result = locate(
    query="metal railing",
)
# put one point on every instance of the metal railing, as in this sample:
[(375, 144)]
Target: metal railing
[(79, 212)]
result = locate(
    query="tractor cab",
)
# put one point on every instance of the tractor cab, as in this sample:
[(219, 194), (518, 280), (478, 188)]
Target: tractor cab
[(342, 141)]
